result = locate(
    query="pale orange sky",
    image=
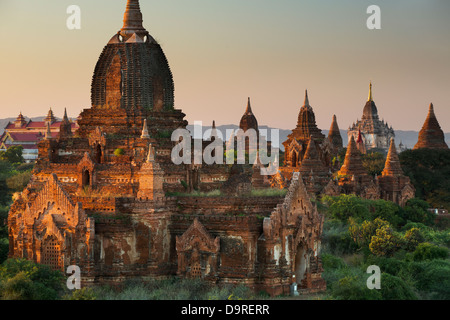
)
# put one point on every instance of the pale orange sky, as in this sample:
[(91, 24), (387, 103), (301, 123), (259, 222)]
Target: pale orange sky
[(222, 52)]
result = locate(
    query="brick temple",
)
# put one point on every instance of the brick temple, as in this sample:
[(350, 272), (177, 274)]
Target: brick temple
[(108, 198)]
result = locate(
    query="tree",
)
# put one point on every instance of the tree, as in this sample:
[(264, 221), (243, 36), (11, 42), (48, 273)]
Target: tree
[(429, 171), (416, 210), (13, 154), (385, 242), (428, 251), (373, 162), (26, 280)]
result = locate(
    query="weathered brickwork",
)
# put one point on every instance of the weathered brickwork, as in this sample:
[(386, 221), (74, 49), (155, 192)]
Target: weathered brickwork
[(109, 199)]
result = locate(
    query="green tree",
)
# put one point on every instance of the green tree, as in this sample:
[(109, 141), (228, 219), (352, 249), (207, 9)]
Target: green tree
[(416, 210), (373, 162), (429, 251), (12, 155), (429, 171), (23, 279)]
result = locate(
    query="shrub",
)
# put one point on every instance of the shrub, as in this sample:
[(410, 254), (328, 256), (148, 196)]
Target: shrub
[(354, 288), (428, 251), (336, 238), (27, 280), (416, 210), (385, 242), (394, 288), (82, 294)]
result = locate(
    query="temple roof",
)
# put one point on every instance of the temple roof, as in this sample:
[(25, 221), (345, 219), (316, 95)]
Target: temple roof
[(392, 166), (50, 117), (370, 110), (431, 135), (248, 120), (352, 164), (132, 72), (311, 160), (334, 135), (306, 123)]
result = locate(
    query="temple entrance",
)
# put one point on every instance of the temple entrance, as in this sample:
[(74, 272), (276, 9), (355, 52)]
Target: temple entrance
[(98, 154), (86, 179), (51, 253), (301, 263), (294, 159)]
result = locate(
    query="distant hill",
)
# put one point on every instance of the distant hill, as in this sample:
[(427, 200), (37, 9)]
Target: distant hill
[(408, 138)]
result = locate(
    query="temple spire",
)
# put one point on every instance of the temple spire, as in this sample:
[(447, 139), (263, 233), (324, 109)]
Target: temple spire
[(145, 134), (249, 108), (370, 92), (132, 20), (306, 103), (48, 133), (392, 166), (65, 118)]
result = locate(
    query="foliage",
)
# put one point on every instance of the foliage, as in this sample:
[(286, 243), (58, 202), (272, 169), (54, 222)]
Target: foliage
[(24, 280), (269, 192), (429, 251), (362, 233), (416, 210), (119, 152), (172, 289), (12, 155), (373, 162), (336, 238), (82, 294), (19, 181), (429, 171), (395, 288), (345, 206), (385, 242)]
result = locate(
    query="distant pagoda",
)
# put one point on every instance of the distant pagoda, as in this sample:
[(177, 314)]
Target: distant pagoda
[(431, 135), (375, 133)]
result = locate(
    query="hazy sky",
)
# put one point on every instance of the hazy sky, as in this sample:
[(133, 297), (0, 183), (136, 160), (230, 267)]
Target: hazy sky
[(222, 52)]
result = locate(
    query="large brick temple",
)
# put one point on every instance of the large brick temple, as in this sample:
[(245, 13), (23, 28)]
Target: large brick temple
[(108, 198)]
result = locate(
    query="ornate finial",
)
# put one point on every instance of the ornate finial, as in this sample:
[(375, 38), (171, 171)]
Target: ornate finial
[(151, 153), (65, 118), (306, 99), (48, 133), (370, 92), (132, 21), (145, 134), (249, 108)]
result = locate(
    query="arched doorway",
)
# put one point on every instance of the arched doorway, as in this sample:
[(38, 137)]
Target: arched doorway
[(301, 263), (98, 153), (51, 253), (86, 178), (294, 159)]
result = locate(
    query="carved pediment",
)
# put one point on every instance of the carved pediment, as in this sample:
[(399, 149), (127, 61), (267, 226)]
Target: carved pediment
[(86, 162), (97, 137), (196, 236)]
